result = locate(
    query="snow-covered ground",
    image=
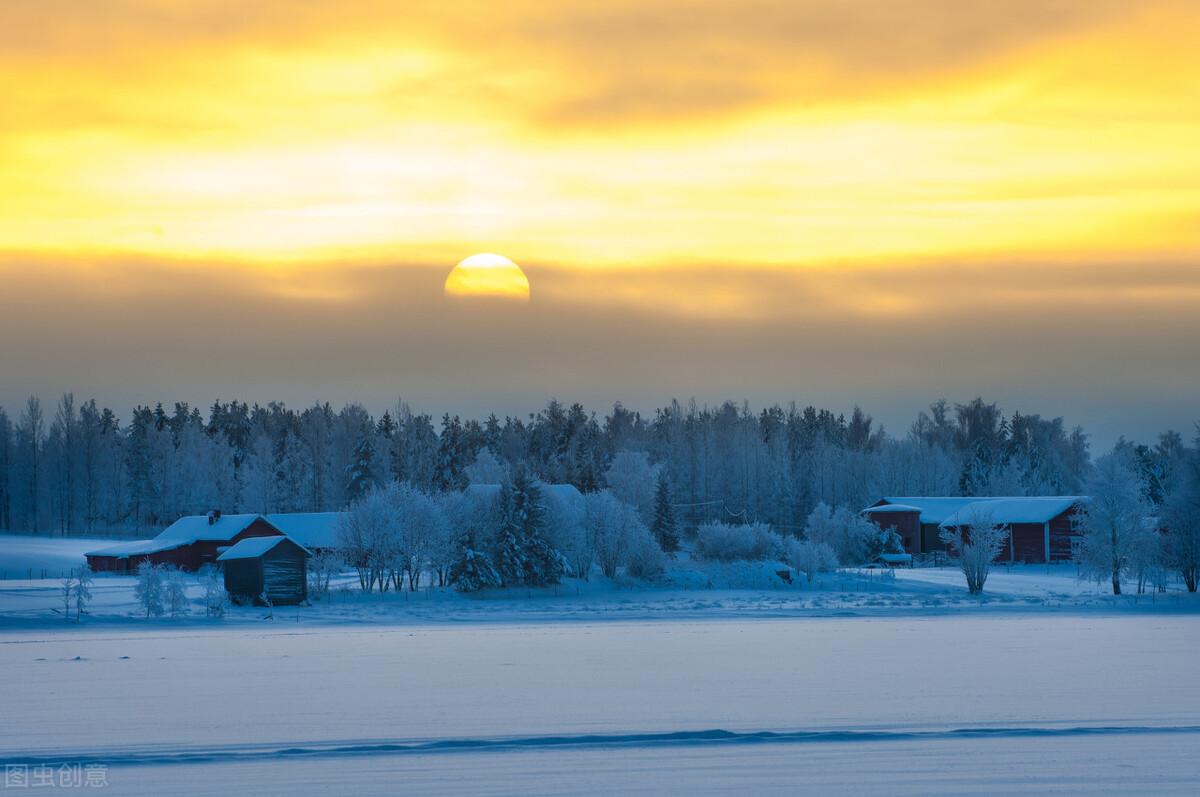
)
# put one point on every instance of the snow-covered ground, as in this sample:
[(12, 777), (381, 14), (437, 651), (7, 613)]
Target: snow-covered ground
[(28, 556), (906, 704)]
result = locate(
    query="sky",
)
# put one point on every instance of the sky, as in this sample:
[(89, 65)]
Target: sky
[(839, 203)]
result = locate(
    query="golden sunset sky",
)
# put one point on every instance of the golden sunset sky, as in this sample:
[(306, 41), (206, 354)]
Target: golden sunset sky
[(760, 167)]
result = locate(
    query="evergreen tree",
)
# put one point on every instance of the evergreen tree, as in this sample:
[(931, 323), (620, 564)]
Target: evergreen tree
[(360, 476), (472, 570), (523, 555), (665, 529), (451, 460)]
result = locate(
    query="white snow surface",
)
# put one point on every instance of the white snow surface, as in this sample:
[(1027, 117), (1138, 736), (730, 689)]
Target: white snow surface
[(950, 704), (20, 553)]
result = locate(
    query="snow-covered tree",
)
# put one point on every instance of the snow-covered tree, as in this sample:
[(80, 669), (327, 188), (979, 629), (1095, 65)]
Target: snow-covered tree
[(472, 569), (618, 536), (67, 593), (360, 476), (632, 479), (368, 538), (216, 599), (1112, 523), (149, 589), (724, 542), (852, 537), (83, 591), (522, 554), (665, 527), (486, 469), (322, 567), (976, 542), (175, 592), (421, 525), (1181, 515), (810, 557)]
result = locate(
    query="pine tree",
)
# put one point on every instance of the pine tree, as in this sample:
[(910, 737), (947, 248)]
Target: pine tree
[(522, 554), (509, 557), (473, 570), (360, 475), (665, 529)]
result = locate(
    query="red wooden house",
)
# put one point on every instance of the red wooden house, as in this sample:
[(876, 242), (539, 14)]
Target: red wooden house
[(189, 543), (1040, 528)]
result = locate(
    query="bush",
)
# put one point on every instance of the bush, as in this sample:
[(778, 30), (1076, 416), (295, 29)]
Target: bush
[(722, 542), (645, 559)]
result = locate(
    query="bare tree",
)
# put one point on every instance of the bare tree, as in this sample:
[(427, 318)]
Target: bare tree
[(976, 541)]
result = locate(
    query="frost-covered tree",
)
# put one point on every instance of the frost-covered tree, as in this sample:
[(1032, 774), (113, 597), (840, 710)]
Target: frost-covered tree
[(360, 477), (421, 525), (1181, 516), (149, 589), (83, 591), (486, 469), (1112, 523), (616, 533), (67, 593), (322, 567), (632, 479), (523, 555), (810, 557), (725, 542), (175, 592), (852, 537), (368, 538), (216, 599), (472, 569), (976, 543), (665, 527)]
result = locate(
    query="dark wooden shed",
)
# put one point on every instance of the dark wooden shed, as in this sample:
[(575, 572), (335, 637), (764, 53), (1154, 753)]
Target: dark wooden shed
[(261, 569)]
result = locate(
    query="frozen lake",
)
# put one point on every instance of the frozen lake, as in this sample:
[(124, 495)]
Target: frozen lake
[(904, 704)]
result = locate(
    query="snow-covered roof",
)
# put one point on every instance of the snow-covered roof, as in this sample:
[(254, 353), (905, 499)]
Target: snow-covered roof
[(939, 510), (310, 529), (137, 548), (891, 508), (196, 527), (933, 509), (1040, 509), (253, 547)]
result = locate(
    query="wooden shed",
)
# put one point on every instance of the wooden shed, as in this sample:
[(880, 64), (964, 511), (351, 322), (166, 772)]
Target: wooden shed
[(261, 569)]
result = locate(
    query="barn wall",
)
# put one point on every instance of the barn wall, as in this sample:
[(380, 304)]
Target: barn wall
[(285, 575), (906, 524), (931, 539), (243, 579), (1028, 541), (1062, 534)]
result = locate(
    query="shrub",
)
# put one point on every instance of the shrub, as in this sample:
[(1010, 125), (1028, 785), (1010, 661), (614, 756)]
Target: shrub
[(723, 542)]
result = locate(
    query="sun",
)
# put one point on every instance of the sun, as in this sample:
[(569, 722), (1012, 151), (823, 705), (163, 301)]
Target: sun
[(488, 275)]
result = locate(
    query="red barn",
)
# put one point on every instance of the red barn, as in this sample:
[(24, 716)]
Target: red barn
[(189, 543), (1040, 528)]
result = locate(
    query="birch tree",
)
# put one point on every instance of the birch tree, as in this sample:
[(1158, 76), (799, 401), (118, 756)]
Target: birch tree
[(977, 541), (1112, 524)]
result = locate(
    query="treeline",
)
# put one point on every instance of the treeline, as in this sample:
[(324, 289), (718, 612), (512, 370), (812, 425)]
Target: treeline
[(81, 468)]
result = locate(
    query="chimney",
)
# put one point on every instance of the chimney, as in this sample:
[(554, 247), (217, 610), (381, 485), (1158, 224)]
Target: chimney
[(213, 516)]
